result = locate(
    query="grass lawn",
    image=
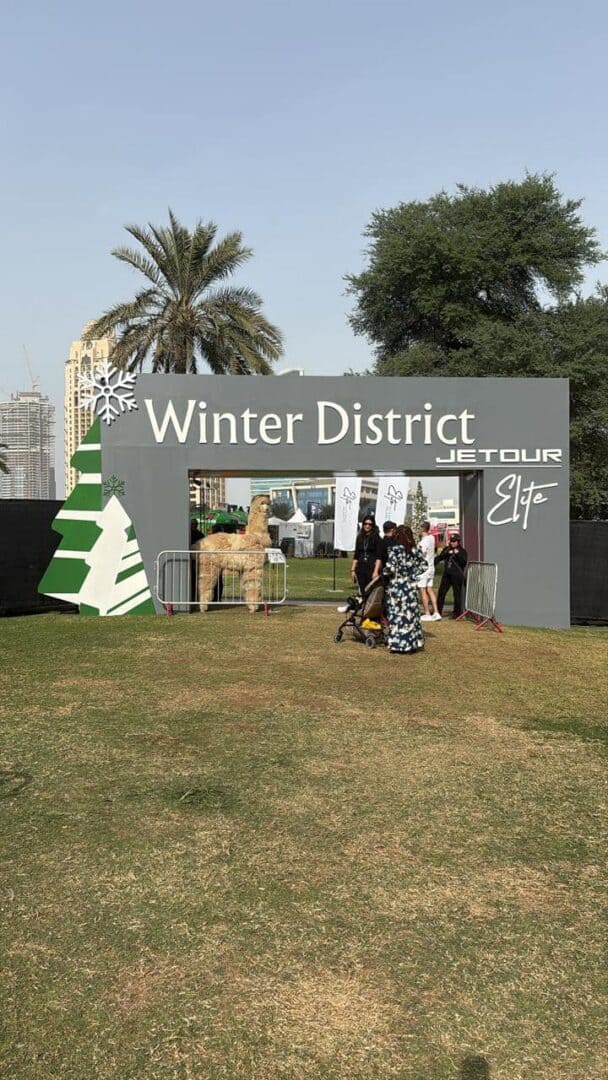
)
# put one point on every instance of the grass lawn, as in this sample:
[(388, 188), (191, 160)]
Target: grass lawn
[(234, 849), (313, 579)]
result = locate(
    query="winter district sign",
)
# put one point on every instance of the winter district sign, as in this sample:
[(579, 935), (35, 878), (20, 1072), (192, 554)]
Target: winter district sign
[(506, 438)]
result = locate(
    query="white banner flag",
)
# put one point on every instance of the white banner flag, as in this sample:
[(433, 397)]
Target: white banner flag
[(392, 499), (348, 493)]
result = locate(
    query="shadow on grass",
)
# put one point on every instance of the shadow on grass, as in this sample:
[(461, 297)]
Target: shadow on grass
[(192, 794), (12, 782), (474, 1067), (570, 725), (206, 796)]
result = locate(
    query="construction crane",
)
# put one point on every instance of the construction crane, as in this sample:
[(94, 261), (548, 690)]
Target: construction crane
[(33, 378)]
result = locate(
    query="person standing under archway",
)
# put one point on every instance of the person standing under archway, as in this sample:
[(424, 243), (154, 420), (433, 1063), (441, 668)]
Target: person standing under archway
[(367, 559), (455, 559), (426, 545), (404, 566)]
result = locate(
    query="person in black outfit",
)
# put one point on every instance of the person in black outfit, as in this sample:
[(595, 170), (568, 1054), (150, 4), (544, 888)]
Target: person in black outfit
[(218, 588), (389, 529), (195, 532), (195, 536), (454, 558), (367, 560)]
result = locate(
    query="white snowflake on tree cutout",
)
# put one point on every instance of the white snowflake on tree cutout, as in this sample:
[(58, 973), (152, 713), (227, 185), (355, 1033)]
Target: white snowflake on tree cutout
[(108, 392)]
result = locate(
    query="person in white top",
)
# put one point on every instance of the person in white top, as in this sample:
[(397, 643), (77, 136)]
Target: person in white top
[(426, 545)]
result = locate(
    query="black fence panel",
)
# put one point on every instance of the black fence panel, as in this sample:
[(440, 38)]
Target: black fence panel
[(589, 571), (27, 544)]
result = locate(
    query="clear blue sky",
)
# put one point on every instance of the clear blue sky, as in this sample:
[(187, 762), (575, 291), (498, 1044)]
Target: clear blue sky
[(291, 122)]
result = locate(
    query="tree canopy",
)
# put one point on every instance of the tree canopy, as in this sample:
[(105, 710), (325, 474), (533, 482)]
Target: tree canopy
[(483, 283), (439, 268), (187, 313)]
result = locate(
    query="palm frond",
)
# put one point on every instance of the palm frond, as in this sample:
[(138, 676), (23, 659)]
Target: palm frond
[(174, 243), (233, 295), (138, 261), (144, 304), (241, 308), (134, 345), (219, 263), (147, 241), (183, 319)]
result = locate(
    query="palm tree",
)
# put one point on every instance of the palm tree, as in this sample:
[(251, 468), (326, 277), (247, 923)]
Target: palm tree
[(3, 465), (186, 313)]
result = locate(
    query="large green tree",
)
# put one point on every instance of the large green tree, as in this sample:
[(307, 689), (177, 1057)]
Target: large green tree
[(187, 313), (483, 283)]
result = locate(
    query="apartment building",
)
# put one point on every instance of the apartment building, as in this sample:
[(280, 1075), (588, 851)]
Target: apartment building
[(27, 428), (85, 354), (207, 492)]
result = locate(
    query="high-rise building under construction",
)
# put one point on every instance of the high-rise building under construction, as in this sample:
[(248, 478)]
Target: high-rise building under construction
[(27, 430)]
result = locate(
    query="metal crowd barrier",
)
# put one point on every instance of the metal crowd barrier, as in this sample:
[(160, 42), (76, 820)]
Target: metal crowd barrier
[(480, 597), (248, 577)]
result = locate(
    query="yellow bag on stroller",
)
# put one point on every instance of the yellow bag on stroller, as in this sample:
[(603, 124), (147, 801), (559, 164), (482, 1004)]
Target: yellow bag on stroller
[(366, 619)]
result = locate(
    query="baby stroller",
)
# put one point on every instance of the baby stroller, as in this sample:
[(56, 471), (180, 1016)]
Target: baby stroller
[(365, 616)]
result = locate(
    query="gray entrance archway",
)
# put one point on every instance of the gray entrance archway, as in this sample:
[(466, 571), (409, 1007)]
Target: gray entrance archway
[(507, 440)]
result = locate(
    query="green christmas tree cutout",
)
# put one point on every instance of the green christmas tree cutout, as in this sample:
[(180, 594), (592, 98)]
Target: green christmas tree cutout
[(98, 564)]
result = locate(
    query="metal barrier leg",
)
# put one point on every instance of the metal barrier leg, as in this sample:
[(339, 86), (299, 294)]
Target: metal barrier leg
[(464, 615), (496, 625)]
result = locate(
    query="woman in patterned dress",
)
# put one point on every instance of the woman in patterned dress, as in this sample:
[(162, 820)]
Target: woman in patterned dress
[(405, 564)]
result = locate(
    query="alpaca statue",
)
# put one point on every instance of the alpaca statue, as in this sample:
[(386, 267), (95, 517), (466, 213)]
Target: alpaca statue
[(227, 548)]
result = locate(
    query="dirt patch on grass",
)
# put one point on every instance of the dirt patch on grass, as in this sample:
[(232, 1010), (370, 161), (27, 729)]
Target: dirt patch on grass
[(319, 1008), (163, 740), (318, 1017), (523, 889), (139, 988), (31, 950), (326, 1008), (215, 700), (532, 890), (88, 684)]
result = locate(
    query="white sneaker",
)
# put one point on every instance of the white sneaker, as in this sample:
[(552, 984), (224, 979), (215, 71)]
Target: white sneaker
[(426, 618), (436, 617), (342, 608)]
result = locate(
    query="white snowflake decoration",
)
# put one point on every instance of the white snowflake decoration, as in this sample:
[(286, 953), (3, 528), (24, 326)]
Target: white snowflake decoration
[(108, 392)]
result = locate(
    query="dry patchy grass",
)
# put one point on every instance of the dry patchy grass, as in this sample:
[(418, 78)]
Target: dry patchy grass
[(235, 849)]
